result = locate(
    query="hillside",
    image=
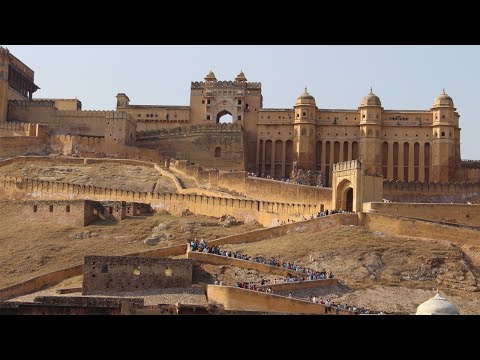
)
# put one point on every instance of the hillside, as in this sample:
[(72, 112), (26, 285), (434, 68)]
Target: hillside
[(381, 272)]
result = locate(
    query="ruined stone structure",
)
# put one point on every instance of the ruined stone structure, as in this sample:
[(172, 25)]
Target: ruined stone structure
[(128, 273), (73, 212)]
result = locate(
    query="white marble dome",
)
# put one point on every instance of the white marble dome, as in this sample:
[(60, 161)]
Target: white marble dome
[(437, 305)]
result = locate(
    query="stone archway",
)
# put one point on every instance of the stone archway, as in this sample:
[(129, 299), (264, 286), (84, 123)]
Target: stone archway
[(345, 195), (222, 114), (349, 200)]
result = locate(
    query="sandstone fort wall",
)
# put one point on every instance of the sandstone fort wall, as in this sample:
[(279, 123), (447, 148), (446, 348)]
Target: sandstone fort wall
[(416, 192), (130, 273), (450, 213), (392, 225), (233, 298)]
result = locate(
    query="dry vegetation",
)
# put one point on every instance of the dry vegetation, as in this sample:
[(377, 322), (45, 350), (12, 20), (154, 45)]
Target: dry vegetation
[(32, 249), (381, 272), (109, 175)]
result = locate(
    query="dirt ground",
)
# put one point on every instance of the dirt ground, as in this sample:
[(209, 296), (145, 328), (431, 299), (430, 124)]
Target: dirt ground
[(33, 248), (109, 175), (380, 272)]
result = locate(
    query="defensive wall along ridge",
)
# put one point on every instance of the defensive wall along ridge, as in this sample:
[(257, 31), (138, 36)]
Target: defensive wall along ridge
[(233, 298), (374, 222), (419, 228), (50, 279), (466, 214)]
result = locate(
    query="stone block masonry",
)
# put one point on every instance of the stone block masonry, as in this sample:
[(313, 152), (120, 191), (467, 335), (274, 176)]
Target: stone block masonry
[(126, 273)]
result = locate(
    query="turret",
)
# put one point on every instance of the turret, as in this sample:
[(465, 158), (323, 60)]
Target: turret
[(122, 100), (304, 131), (446, 139), (370, 129)]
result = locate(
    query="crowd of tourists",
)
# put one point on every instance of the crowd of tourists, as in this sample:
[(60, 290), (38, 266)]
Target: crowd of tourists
[(310, 274)]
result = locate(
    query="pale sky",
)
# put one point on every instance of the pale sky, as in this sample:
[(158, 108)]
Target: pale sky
[(404, 77)]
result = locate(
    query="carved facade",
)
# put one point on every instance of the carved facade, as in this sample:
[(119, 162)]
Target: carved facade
[(405, 145)]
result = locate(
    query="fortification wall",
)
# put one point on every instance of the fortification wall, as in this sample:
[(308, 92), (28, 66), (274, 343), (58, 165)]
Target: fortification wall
[(296, 285), (233, 298), (58, 212), (256, 188), (318, 224), (394, 225), (39, 282), (266, 213), (416, 192), (86, 123), (217, 146), (244, 264), (23, 145), (15, 129), (468, 174), (450, 213), (95, 147), (129, 273)]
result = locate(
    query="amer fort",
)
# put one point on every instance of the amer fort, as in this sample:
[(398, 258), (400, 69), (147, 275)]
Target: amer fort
[(159, 209)]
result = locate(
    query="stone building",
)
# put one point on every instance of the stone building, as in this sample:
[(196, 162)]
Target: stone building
[(406, 145)]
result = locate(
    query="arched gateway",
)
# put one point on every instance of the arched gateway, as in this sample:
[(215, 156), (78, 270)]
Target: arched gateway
[(352, 186)]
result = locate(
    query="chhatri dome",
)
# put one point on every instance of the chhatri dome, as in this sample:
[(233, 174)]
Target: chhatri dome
[(443, 100), (305, 99), (210, 76), (241, 76), (371, 100), (437, 305)]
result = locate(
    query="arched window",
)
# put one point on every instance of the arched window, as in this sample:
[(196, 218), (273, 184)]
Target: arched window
[(304, 131), (218, 151)]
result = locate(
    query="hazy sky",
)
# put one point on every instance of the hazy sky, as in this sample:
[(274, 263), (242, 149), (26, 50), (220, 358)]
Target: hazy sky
[(404, 77)]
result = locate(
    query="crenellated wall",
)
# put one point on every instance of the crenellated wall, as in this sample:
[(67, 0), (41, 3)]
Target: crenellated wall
[(256, 188), (417, 192), (16, 129), (266, 213), (23, 145), (83, 122)]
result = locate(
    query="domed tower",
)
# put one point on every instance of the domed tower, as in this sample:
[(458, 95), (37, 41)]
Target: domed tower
[(241, 77), (446, 139), (210, 78), (304, 131), (370, 129)]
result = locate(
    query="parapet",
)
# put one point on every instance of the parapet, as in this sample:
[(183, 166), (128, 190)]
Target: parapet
[(32, 103), (181, 130), (347, 165)]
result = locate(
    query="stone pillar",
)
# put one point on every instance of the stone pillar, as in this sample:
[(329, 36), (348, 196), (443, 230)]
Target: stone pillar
[(400, 160), (411, 161), (323, 166), (257, 160), (263, 157), (272, 166), (421, 163), (332, 149), (340, 155), (390, 160), (284, 157)]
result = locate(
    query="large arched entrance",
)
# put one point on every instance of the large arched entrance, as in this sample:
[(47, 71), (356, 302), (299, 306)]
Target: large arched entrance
[(349, 200), (344, 200), (224, 117)]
